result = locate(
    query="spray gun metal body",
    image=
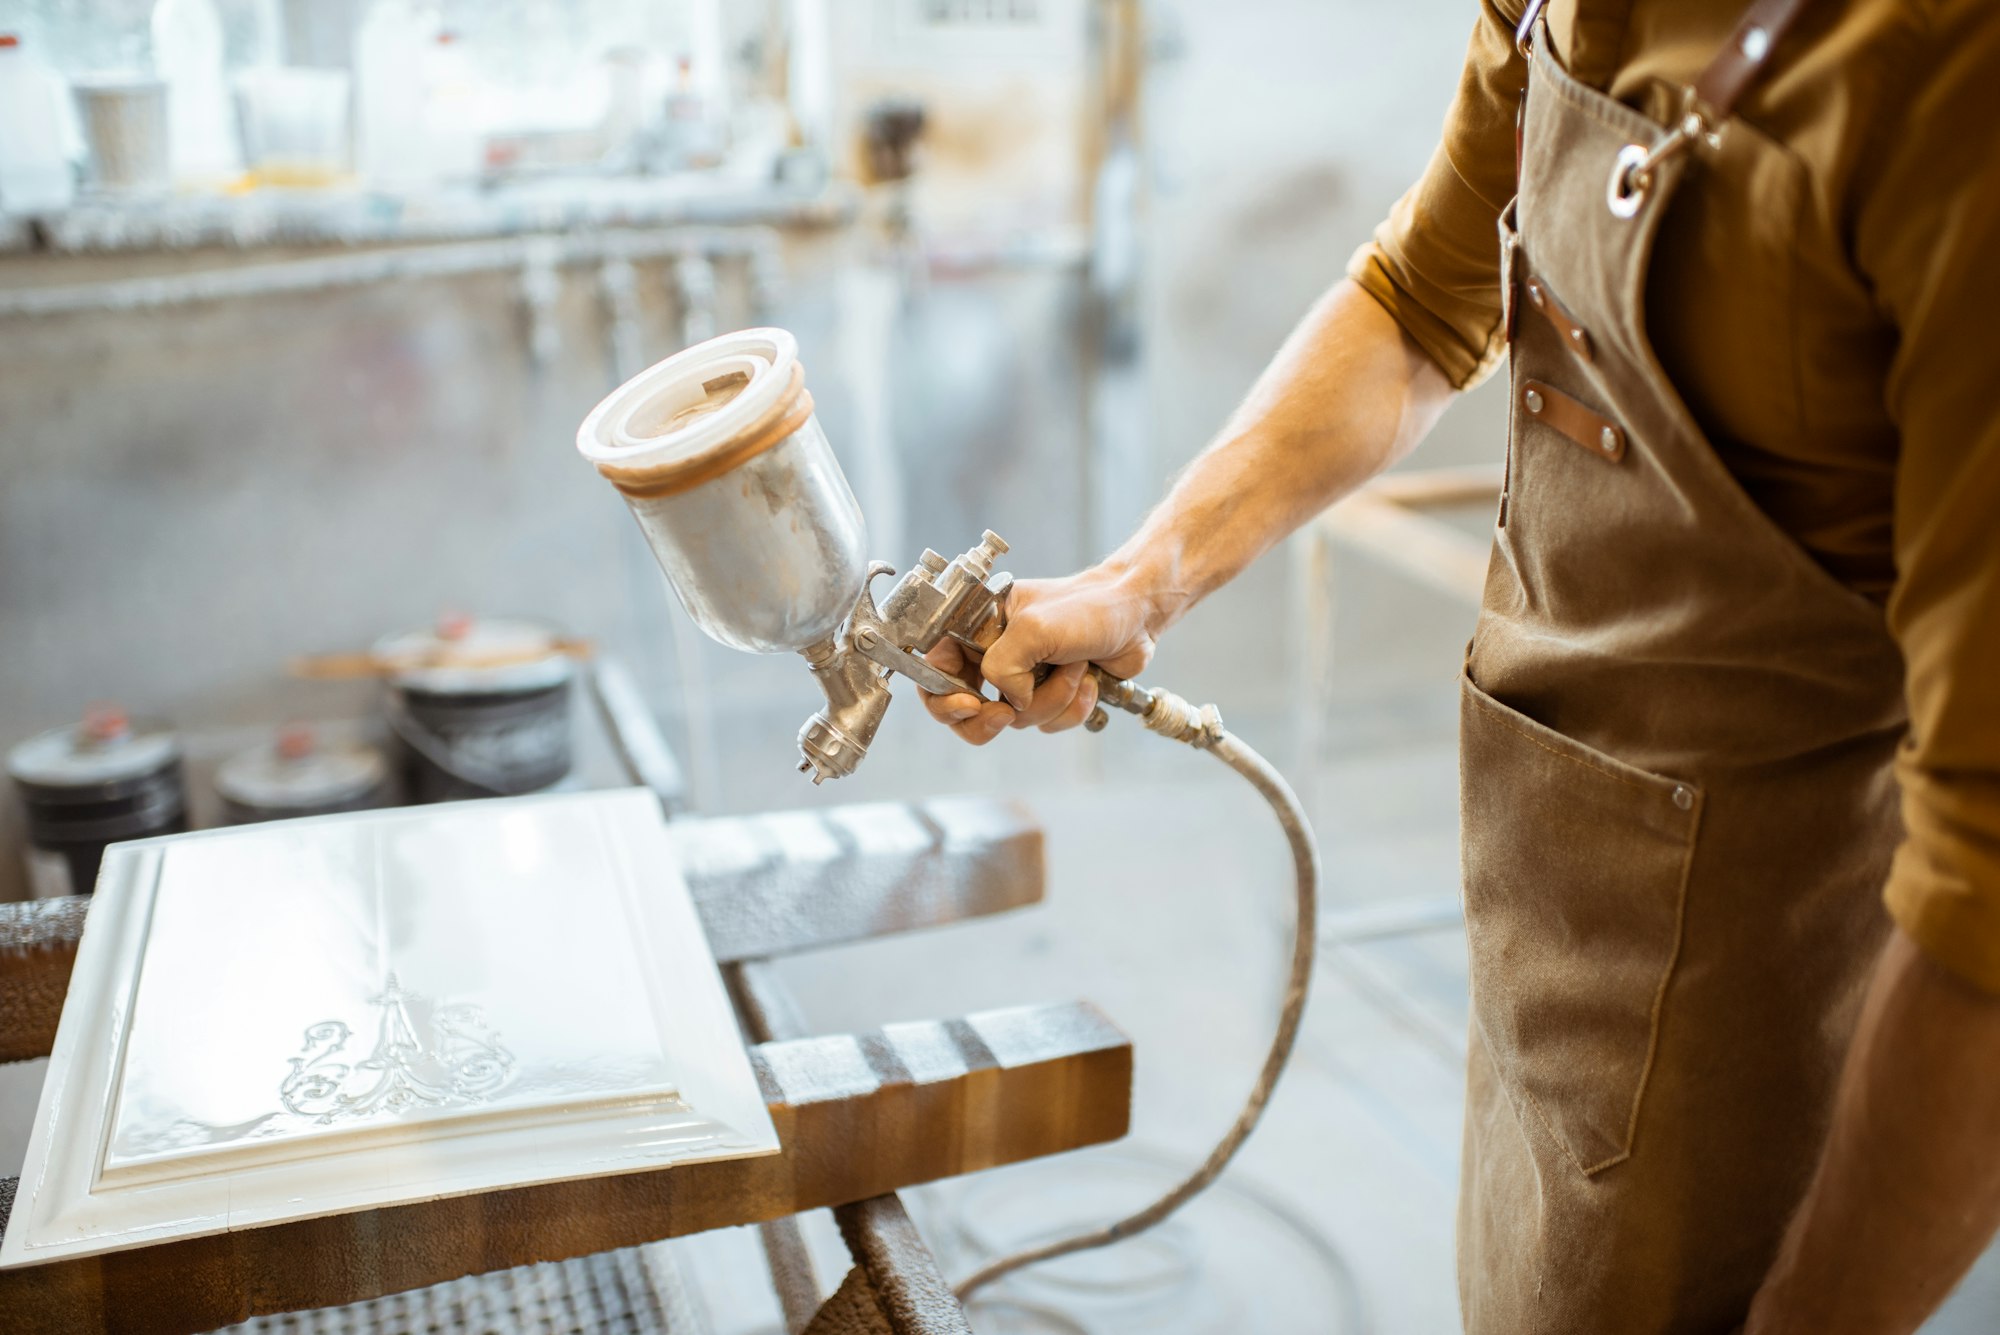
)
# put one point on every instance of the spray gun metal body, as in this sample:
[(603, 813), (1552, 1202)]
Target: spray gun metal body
[(964, 600)]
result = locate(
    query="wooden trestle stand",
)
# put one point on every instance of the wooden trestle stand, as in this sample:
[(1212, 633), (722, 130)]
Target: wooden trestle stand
[(858, 1115)]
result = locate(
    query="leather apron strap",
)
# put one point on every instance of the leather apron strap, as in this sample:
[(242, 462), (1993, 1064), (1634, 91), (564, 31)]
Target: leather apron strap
[(1734, 68), (1706, 104)]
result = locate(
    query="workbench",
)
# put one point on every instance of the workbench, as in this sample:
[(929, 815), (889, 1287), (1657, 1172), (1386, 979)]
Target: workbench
[(859, 1116)]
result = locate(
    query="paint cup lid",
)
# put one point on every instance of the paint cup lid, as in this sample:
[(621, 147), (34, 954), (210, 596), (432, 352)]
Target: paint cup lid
[(464, 655), (703, 401), (108, 746), (297, 770)]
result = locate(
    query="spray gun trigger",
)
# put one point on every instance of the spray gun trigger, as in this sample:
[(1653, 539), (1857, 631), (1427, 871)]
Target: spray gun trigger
[(878, 650)]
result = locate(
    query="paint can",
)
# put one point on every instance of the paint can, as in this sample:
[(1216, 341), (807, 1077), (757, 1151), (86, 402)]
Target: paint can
[(98, 782), (481, 708), (298, 775)]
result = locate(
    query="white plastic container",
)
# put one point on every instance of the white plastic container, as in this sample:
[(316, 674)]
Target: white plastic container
[(36, 131), (188, 53), (295, 124), (721, 460), (392, 138), (456, 110), (125, 121)]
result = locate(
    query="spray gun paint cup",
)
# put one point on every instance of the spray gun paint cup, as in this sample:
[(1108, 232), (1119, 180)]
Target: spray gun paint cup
[(717, 452)]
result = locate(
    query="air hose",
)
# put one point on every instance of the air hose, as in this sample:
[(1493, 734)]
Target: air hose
[(1201, 727)]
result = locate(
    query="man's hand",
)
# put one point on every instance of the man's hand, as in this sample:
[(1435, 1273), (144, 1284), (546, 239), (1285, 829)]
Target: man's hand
[(1908, 1189), (1101, 616)]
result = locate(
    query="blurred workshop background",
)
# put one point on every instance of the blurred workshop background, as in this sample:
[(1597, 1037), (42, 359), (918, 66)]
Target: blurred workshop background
[(301, 302)]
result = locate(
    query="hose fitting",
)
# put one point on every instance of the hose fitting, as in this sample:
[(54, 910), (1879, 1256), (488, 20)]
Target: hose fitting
[(1162, 711)]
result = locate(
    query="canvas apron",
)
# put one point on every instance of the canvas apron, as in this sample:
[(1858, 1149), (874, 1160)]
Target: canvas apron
[(1677, 804)]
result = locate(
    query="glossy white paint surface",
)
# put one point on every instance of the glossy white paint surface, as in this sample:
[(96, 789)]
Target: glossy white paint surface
[(293, 1019)]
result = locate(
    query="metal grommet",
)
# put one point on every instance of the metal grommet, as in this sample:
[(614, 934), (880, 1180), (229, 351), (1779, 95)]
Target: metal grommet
[(1683, 796), (1626, 190), (1608, 438), (1533, 399)]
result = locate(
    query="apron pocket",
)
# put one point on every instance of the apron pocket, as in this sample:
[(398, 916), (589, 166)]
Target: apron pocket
[(1576, 870)]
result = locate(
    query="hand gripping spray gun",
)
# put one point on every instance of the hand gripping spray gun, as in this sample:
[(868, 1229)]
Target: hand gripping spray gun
[(718, 454)]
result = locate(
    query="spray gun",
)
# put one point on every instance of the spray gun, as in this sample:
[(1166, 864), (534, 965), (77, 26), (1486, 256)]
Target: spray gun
[(962, 599), (722, 462)]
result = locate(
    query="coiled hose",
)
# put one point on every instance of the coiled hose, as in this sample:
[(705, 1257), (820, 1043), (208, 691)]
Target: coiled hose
[(1170, 716)]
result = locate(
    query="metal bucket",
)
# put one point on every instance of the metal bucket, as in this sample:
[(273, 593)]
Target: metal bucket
[(483, 712), (296, 775), (94, 783)]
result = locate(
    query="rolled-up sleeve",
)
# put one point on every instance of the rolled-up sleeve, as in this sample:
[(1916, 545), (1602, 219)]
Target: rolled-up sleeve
[(1928, 237), (1434, 262)]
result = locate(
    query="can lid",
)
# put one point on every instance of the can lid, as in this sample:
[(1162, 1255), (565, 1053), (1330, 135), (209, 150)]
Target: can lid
[(463, 655), (699, 412), (106, 747), (296, 770)]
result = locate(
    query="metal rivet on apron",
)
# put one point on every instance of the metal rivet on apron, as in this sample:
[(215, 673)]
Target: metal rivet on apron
[(1608, 438), (1756, 43), (1581, 339), (1683, 796), (1533, 400), (1535, 295)]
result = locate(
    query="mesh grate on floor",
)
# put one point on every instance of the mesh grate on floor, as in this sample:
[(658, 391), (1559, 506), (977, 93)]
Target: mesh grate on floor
[(636, 1291)]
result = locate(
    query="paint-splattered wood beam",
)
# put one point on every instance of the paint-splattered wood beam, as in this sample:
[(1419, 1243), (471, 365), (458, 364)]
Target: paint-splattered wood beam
[(791, 881), (859, 1115)]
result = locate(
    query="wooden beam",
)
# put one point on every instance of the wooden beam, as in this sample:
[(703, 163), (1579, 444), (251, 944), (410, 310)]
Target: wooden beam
[(37, 950), (764, 885), (858, 1116), (789, 881), (894, 1287)]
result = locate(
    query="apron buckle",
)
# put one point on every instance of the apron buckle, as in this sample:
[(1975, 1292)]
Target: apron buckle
[(1632, 173), (1630, 180)]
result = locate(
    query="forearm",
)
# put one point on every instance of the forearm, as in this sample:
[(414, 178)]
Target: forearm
[(1348, 394), (1907, 1193)]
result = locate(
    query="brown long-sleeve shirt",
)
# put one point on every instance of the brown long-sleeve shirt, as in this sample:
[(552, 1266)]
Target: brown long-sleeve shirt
[(1833, 322)]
